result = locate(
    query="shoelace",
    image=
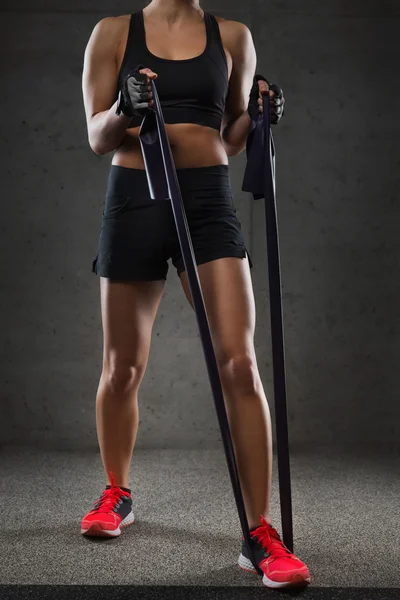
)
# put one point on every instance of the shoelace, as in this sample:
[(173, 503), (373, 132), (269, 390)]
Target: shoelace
[(270, 541), (108, 499)]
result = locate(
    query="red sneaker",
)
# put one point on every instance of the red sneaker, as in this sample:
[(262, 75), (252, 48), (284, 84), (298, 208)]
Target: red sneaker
[(281, 568), (112, 511)]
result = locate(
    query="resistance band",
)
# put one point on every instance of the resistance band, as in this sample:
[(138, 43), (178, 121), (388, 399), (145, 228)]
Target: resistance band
[(163, 185)]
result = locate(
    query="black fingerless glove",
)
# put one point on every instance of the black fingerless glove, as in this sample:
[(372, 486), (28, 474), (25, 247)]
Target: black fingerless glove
[(276, 105), (133, 97)]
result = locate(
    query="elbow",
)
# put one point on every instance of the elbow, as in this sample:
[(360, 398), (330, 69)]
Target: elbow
[(98, 148), (99, 151), (230, 150), (238, 151), (97, 142), (233, 150)]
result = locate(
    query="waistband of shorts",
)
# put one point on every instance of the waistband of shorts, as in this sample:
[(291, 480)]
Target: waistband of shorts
[(127, 181)]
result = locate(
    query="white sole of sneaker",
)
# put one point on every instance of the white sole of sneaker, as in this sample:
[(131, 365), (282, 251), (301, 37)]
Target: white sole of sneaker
[(96, 530), (296, 580)]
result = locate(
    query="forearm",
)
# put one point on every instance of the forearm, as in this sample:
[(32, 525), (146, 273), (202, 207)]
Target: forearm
[(107, 130), (234, 136)]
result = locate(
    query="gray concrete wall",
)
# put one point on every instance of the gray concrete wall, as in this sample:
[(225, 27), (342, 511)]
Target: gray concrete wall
[(338, 187)]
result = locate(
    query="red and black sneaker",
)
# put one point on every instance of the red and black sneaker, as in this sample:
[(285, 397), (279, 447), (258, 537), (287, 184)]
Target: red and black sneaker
[(281, 568), (112, 511)]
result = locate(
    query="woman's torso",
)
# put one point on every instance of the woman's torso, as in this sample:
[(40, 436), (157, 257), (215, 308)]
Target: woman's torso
[(192, 145)]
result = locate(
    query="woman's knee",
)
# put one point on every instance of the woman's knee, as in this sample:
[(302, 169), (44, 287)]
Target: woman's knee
[(123, 377), (239, 374)]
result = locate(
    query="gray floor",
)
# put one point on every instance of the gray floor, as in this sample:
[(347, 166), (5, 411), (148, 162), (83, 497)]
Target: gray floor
[(346, 519)]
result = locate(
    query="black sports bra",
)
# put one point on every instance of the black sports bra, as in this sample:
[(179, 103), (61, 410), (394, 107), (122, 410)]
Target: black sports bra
[(192, 90)]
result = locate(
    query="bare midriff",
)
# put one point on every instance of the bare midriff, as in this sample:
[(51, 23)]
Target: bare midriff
[(191, 146)]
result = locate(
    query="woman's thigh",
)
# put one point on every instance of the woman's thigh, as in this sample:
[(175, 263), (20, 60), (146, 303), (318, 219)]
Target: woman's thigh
[(128, 311), (229, 300)]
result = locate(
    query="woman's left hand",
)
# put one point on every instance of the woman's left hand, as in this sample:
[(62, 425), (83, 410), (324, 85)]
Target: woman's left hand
[(276, 99)]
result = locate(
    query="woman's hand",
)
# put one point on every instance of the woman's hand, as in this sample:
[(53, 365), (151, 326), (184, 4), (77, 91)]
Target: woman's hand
[(276, 100), (150, 75), (135, 96)]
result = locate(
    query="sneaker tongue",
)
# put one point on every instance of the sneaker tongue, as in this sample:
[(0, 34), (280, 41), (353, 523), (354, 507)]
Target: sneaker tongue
[(116, 487)]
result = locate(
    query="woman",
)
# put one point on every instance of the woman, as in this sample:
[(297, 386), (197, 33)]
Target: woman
[(205, 68)]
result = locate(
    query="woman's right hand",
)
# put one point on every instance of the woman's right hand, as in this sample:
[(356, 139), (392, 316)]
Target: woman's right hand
[(135, 97), (150, 75)]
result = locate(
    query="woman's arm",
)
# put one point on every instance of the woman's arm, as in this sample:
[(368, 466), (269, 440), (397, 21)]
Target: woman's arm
[(106, 130), (236, 120)]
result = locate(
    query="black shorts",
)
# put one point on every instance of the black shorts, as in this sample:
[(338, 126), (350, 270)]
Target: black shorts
[(138, 235)]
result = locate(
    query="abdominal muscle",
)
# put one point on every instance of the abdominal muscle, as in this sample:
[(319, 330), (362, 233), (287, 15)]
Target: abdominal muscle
[(191, 146)]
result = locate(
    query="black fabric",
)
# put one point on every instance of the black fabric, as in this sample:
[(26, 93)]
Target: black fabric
[(122, 488), (138, 235), (256, 176), (258, 551), (122, 506), (190, 91)]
